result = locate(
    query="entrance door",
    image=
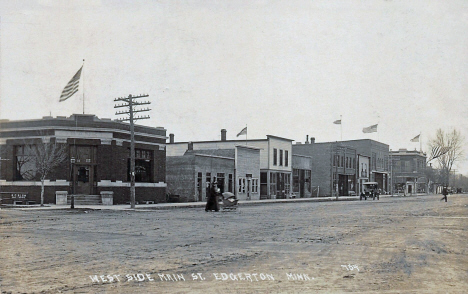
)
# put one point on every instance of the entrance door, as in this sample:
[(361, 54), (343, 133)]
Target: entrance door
[(84, 179), (248, 187), (301, 183), (200, 187)]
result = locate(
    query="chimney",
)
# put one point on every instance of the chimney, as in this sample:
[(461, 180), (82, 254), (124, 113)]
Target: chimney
[(307, 139), (171, 138), (312, 140), (223, 135), (190, 146)]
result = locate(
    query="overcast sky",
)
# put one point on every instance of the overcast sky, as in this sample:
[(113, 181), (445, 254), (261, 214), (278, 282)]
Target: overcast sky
[(285, 68)]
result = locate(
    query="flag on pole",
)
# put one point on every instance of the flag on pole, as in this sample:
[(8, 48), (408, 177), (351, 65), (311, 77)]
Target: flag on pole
[(243, 132), (72, 86), (371, 129), (415, 139), (438, 152), (337, 122)]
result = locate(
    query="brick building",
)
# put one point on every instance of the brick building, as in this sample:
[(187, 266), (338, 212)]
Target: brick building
[(235, 170), (334, 166), (378, 154), (98, 159), (409, 171), (275, 160)]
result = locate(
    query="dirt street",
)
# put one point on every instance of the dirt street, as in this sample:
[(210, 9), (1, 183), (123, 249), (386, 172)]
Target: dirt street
[(394, 245)]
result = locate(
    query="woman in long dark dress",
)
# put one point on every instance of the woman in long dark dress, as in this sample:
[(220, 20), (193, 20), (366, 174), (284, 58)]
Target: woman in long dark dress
[(212, 199)]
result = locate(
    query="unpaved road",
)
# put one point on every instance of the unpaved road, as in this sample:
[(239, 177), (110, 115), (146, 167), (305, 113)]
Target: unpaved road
[(399, 244)]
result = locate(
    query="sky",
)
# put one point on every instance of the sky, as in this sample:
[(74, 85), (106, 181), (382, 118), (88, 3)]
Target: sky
[(284, 68)]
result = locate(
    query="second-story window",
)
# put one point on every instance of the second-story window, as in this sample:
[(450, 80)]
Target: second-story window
[(281, 158), (286, 158), (275, 156)]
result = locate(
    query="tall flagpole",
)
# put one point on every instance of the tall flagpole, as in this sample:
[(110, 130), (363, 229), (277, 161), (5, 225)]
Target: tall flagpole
[(246, 130), (82, 71), (341, 126), (420, 142)]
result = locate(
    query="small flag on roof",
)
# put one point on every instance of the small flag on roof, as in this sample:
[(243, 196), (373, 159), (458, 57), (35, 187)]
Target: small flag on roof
[(243, 132), (415, 139), (371, 129)]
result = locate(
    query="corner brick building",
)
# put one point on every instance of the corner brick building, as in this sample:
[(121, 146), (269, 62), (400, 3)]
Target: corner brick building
[(98, 159)]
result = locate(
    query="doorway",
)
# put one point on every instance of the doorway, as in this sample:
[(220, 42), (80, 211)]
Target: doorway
[(84, 177)]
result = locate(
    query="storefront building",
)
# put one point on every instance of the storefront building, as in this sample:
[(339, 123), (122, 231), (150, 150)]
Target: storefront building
[(409, 171), (378, 154), (334, 166), (302, 177), (97, 159), (275, 160), (233, 170)]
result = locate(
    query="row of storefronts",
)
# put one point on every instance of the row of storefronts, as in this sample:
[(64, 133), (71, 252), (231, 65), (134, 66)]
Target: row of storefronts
[(97, 164)]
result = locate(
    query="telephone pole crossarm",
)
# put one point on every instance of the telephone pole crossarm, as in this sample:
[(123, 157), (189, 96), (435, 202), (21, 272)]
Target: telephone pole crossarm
[(130, 103)]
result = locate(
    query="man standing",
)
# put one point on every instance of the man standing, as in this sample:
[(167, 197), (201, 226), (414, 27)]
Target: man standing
[(444, 192)]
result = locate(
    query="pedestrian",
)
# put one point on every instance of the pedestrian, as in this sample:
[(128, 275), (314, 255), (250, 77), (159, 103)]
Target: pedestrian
[(444, 192), (212, 198)]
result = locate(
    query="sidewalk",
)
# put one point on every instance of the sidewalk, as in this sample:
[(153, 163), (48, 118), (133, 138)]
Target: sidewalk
[(163, 206)]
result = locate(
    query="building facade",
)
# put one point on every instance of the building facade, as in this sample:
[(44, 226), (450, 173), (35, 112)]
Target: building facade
[(98, 159), (275, 160), (378, 154), (302, 177), (362, 172), (409, 171), (233, 170), (334, 166)]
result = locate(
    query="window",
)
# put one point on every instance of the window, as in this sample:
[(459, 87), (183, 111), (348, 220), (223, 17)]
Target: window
[(281, 158), (220, 182), (286, 158), (307, 181), (275, 156), (25, 163), (143, 166), (296, 179), (287, 184), (264, 183), (272, 183), (208, 181), (230, 183), (241, 187), (254, 185)]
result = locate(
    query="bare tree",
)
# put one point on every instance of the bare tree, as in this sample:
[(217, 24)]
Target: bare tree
[(48, 156), (453, 140)]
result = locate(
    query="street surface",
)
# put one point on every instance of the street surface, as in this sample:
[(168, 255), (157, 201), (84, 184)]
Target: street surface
[(394, 245)]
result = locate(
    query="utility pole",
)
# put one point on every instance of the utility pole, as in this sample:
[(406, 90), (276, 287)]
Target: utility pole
[(131, 103)]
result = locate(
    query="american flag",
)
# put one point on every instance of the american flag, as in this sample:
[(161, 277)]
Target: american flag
[(72, 86), (438, 151), (415, 139), (243, 132), (371, 129)]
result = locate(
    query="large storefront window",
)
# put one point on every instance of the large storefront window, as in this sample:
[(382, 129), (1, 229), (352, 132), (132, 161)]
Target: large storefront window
[(25, 163), (272, 183), (143, 164), (296, 181)]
